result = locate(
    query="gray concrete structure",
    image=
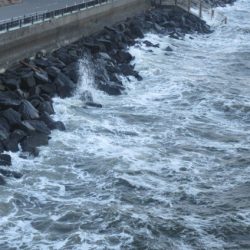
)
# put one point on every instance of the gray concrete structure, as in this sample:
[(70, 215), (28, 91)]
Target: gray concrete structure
[(49, 35)]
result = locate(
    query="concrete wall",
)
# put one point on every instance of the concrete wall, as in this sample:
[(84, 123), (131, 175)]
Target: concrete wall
[(25, 42)]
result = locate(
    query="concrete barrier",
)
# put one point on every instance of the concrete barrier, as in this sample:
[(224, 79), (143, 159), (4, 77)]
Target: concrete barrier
[(50, 35)]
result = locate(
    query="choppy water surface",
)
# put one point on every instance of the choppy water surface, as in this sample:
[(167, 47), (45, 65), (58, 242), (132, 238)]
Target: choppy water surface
[(165, 166)]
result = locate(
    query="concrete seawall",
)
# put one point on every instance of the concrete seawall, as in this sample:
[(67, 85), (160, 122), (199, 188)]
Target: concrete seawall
[(25, 42)]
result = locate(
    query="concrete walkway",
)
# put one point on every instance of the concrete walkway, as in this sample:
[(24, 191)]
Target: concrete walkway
[(31, 6)]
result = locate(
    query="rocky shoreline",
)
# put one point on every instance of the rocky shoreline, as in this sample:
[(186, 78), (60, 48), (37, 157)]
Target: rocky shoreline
[(28, 88), (221, 3)]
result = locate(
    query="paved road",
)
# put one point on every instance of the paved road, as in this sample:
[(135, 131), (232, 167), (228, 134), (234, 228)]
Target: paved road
[(32, 6)]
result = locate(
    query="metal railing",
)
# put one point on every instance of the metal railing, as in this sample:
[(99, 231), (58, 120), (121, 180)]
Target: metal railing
[(24, 21), (196, 7)]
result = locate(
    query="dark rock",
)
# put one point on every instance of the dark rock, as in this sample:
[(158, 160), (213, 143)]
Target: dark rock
[(5, 160), (72, 71), (94, 104), (93, 47), (168, 49), (39, 126), (12, 83), (28, 80), (105, 56), (46, 106), (9, 173), (11, 144), (123, 57), (64, 86), (41, 77), (4, 129), (136, 30), (53, 72), (51, 123), (86, 96), (59, 125), (42, 62), (28, 111), (2, 181), (149, 44), (13, 117), (9, 99), (110, 88), (66, 58), (30, 143), (48, 88)]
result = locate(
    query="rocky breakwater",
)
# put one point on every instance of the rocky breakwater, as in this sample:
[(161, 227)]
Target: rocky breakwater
[(222, 3), (28, 88)]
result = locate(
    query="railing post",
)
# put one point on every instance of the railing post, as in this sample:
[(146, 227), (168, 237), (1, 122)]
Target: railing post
[(212, 14), (200, 10), (189, 5)]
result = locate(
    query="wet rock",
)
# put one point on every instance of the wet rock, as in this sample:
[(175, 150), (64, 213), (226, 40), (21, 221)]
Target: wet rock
[(47, 107), (86, 96), (49, 89), (94, 104), (53, 72), (51, 124), (105, 56), (64, 86), (27, 80), (93, 47), (12, 83), (110, 88), (149, 44), (123, 57), (2, 181), (135, 29), (9, 99), (13, 117), (42, 62), (28, 111), (38, 126), (30, 143), (11, 144), (72, 71), (4, 129), (65, 57), (41, 77), (169, 49), (5, 160), (9, 173)]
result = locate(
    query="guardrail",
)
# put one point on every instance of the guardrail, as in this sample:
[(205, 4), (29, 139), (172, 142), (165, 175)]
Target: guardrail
[(196, 7), (24, 21)]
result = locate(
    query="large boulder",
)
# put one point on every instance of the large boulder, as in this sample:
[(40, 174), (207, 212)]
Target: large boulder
[(51, 124), (41, 77), (64, 86), (12, 83), (30, 143), (11, 144), (28, 111), (37, 126), (13, 117), (28, 80), (72, 71), (110, 88), (9, 99), (123, 57)]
